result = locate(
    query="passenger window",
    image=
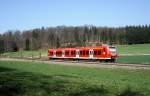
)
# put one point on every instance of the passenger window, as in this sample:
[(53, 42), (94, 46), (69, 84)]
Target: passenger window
[(51, 53), (99, 52), (72, 52), (95, 52), (87, 52), (67, 53), (58, 53), (81, 52)]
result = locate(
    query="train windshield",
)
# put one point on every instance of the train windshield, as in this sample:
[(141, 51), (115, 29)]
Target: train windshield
[(112, 49)]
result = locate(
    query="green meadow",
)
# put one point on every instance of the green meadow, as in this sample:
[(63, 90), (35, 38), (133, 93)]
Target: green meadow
[(40, 79)]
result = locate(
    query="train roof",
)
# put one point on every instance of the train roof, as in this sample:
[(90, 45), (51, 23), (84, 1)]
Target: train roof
[(86, 47)]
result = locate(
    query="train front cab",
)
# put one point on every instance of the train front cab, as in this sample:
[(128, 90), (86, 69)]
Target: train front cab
[(105, 53), (113, 53)]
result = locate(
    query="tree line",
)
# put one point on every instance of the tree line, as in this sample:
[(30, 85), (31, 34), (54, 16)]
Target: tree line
[(72, 36)]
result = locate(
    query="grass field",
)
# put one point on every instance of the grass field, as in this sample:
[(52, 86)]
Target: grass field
[(134, 53), (135, 49), (135, 59), (39, 79)]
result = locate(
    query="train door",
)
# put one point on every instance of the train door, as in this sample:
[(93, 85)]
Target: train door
[(54, 53), (63, 53), (77, 53), (91, 53)]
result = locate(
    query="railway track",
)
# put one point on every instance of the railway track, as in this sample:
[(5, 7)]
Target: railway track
[(83, 63), (98, 64)]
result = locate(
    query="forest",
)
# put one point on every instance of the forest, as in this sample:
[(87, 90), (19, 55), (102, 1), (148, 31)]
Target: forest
[(72, 36)]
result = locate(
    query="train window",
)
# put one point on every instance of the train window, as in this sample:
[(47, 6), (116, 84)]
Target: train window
[(95, 52), (99, 53), (59, 53), (67, 52), (72, 52), (112, 49), (104, 50), (83, 52), (87, 52)]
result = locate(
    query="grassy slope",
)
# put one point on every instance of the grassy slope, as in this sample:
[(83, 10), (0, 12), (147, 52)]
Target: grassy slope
[(134, 49), (34, 79), (142, 59)]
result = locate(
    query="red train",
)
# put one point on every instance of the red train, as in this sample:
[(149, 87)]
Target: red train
[(104, 52)]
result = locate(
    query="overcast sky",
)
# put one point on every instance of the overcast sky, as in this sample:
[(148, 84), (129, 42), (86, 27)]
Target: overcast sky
[(29, 14)]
